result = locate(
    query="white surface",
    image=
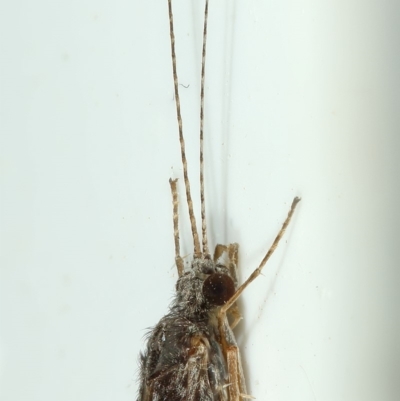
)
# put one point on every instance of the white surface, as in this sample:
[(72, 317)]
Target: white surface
[(302, 99)]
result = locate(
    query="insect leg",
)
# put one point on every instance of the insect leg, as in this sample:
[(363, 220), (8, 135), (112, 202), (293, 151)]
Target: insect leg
[(178, 258), (231, 252), (271, 250), (230, 261), (231, 358), (236, 388), (219, 250)]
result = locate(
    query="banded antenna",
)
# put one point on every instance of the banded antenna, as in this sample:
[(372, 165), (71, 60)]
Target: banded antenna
[(198, 251)]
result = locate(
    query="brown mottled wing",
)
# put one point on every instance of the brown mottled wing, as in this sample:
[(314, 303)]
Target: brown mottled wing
[(182, 366)]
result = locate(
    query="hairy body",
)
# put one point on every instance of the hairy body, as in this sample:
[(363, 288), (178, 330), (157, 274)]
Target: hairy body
[(185, 354)]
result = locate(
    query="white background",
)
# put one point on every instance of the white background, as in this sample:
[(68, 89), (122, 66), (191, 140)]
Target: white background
[(302, 99)]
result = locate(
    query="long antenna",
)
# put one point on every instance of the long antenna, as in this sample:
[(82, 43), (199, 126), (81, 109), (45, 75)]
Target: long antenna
[(203, 73), (197, 249)]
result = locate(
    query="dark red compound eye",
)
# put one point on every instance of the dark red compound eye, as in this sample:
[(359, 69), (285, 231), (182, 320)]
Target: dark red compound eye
[(218, 289)]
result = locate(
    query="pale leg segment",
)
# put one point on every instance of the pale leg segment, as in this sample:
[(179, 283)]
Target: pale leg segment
[(257, 271), (232, 251), (237, 387)]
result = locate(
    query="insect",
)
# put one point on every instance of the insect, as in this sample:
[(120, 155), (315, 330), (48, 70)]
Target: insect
[(192, 354)]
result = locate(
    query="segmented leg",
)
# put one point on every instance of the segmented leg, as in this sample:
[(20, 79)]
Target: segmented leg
[(236, 383), (257, 271), (234, 388), (237, 388), (231, 252), (228, 342)]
